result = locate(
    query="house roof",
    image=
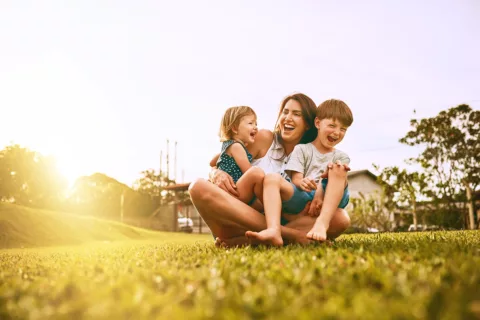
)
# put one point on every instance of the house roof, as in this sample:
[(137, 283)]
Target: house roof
[(178, 187), (352, 174)]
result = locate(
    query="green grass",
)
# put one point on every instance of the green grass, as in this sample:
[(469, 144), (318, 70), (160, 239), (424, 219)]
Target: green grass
[(433, 275), (26, 227)]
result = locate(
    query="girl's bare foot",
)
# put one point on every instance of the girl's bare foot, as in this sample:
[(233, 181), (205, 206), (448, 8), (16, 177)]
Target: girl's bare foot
[(318, 232), (271, 236)]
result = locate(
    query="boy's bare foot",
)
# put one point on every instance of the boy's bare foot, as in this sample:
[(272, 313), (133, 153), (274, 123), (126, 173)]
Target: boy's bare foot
[(271, 237), (318, 232)]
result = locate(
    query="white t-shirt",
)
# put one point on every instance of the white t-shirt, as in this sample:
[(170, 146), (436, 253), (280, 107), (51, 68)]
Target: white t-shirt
[(274, 160), (306, 158)]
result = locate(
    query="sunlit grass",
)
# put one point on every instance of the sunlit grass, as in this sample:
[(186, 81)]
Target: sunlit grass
[(28, 227), (402, 276)]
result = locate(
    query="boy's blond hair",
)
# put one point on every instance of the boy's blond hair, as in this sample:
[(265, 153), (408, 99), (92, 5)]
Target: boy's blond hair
[(337, 110), (231, 120)]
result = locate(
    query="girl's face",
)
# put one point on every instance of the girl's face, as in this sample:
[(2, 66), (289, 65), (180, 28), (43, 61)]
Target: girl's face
[(291, 122), (247, 129)]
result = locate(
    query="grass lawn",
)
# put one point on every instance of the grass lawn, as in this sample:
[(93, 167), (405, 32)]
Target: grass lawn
[(434, 275)]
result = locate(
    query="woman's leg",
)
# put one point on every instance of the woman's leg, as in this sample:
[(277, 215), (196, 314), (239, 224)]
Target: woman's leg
[(337, 177), (230, 218), (339, 223)]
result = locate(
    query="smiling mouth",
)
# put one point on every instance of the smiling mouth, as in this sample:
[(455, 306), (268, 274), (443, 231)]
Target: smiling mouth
[(331, 139), (288, 128)]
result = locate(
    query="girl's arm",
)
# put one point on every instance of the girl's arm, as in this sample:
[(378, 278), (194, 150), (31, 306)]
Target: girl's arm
[(238, 153)]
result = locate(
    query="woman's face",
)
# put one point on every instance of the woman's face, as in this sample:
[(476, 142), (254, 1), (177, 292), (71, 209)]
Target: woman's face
[(291, 122)]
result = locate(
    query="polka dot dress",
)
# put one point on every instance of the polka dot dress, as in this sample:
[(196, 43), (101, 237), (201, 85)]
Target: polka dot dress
[(228, 164)]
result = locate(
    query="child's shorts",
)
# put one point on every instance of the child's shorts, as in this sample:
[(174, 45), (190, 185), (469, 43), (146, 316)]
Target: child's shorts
[(299, 200)]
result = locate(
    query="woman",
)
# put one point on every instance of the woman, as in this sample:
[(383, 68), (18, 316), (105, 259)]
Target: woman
[(229, 218)]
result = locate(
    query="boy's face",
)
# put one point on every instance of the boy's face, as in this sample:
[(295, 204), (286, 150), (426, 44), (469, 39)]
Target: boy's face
[(330, 132)]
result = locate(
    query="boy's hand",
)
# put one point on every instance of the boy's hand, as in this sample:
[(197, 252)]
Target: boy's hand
[(308, 185), (315, 207), (330, 166)]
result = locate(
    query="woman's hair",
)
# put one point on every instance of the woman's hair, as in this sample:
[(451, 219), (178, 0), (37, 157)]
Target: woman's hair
[(231, 120), (309, 110)]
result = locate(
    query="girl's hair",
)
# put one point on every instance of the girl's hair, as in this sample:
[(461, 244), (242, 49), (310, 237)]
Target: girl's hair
[(337, 110), (309, 110), (231, 120)]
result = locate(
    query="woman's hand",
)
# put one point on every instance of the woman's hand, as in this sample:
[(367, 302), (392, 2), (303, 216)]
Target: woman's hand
[(224, 181)]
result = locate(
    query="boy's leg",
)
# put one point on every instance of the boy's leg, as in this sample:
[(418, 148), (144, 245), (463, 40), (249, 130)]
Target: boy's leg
[(275, 189), (333, 194), (250, 184)]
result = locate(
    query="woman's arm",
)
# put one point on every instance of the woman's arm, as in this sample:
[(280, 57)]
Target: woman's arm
[(263, 141), (213, 162)]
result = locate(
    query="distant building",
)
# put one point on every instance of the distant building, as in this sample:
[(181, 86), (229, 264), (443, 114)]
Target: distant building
[(362, 181)]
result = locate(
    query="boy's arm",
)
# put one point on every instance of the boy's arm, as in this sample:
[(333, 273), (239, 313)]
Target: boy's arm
[(238, 153), (306, 184)]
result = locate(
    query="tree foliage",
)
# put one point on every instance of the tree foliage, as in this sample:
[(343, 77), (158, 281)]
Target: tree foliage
[(372, 211), (404, 188), (452, 151), (29, 178), (101, 195)]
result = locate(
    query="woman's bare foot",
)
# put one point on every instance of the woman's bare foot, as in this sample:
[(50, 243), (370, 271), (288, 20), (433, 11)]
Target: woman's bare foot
[(271, 236), (318, 232), (235, 242)]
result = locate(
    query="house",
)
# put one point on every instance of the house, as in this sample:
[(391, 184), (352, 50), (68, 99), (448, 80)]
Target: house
[(364, 182)]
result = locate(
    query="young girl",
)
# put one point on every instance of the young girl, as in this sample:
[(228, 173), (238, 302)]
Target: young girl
[(237, 130)]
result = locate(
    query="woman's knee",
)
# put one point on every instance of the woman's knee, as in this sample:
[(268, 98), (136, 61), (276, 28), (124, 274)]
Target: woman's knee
[(343, 221), (337, 172), (197, 190)]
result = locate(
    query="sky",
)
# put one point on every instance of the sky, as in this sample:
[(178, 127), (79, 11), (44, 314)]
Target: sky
[(102, 85)]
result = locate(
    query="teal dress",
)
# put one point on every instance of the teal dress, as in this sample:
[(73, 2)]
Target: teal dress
[(227, 163)]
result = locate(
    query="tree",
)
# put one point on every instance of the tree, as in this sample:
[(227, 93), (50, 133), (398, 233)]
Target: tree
[(372, 211), (28, 178), (452, 151), (100, 195), (403, 187), (153, 184)]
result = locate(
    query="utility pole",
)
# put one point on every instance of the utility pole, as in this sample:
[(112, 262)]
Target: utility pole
[(160, 172), (168, 161), (175, 163)]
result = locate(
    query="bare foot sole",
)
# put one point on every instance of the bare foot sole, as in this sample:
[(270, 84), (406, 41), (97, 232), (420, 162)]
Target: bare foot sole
[(270, 237)]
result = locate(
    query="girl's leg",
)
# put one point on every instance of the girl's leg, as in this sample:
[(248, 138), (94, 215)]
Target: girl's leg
[(333, 194), (251, 183), (275, 189), (230, 218)]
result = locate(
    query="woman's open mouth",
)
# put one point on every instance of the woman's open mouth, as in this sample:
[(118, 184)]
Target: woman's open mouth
[(288, 128)]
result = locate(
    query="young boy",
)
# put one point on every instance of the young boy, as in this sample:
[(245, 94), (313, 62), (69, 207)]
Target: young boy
[(304, 168)]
